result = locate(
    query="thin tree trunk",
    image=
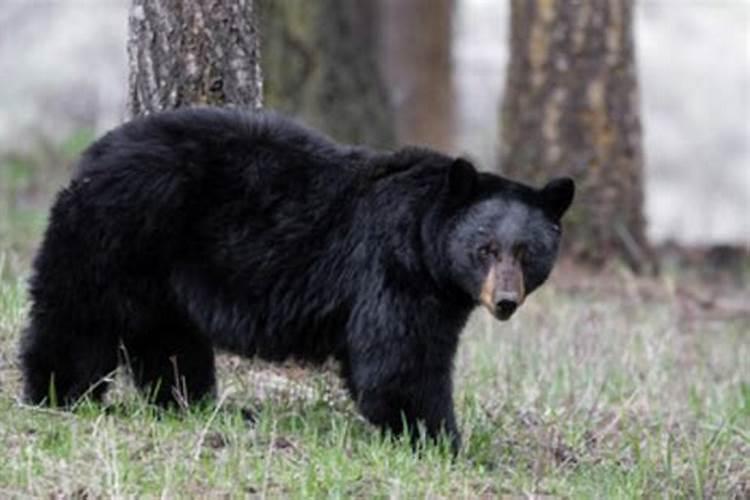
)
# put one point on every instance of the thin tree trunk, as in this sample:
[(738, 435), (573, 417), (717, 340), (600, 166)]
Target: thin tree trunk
[(184, 52), (319, 60), (416, 53), (571, 107)]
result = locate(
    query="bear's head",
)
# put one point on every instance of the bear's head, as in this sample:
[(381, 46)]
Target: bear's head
[(503, 236)]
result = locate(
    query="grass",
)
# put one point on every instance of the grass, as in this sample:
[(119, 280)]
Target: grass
[(601, 387)]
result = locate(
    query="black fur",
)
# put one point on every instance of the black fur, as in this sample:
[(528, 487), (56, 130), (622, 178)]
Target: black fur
[(207, 228)]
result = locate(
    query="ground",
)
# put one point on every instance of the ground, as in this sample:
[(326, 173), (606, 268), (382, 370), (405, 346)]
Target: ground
[(603, 385)]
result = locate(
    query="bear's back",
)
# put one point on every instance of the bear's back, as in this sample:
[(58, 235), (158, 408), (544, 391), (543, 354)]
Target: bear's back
[(200, 142), (177, 184)]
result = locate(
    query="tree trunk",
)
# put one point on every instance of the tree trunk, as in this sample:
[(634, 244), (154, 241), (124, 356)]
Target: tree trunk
[(191, 52), (571, 107), (416, 53), (319, 61)]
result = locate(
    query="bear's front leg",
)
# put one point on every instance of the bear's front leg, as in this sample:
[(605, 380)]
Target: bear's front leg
[(398, 366), (413, 404)]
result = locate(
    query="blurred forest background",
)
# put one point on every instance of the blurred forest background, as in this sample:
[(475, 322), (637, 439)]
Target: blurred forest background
[(66, 70), (608, 384)]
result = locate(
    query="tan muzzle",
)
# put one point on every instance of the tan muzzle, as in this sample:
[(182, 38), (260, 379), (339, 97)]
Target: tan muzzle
[(503, 290)]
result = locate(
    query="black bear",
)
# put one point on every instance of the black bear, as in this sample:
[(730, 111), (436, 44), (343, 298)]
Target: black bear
[(202, 228)]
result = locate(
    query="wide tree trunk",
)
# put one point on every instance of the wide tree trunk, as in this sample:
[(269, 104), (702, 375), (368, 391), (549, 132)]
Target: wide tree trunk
[(416, 46), (319, 62), (191, 52), (571, 107)]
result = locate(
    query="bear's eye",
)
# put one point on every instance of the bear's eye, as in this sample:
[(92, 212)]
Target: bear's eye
[(519, 251), (556, 228), (487, 251)]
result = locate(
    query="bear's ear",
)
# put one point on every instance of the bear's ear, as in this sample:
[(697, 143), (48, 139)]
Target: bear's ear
[(557, 196), (462, 179)]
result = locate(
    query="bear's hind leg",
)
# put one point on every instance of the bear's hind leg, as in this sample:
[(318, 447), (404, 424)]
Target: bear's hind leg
[(62, 363), (173, 365)]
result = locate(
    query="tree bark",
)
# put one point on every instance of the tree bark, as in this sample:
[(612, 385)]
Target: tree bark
[(191, 52), (416, 53), (571, 107), (319, 61)]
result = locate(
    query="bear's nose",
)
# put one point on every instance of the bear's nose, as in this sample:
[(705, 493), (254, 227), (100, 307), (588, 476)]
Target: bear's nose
[(505, 308)]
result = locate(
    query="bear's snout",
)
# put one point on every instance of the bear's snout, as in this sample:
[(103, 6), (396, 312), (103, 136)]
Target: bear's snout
[(503, 288)]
